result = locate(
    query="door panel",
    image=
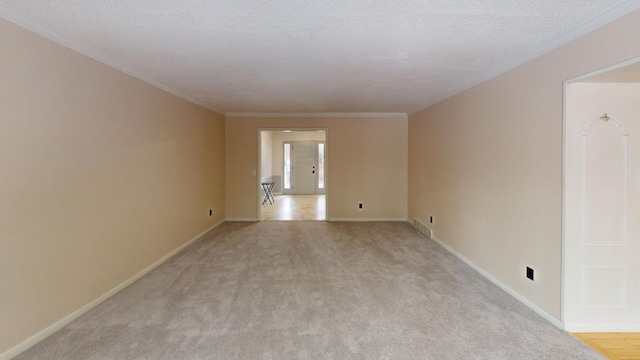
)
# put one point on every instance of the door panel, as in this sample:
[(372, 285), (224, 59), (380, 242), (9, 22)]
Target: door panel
[(601, 266), (602, 183), (304, 166), (605, 185)]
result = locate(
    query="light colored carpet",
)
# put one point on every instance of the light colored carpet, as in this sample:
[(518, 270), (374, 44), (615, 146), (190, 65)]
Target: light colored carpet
[(312, 290)]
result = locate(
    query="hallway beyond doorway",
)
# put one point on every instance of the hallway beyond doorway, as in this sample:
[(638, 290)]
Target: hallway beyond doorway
[(296, 207)]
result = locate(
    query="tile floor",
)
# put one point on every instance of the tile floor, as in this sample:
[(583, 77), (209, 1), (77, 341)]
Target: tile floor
[(296, 207)]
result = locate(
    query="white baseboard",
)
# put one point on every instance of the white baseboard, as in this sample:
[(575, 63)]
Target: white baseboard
[(366, 219), (43, 334), (550, 318), (602, 327), (242, 219)]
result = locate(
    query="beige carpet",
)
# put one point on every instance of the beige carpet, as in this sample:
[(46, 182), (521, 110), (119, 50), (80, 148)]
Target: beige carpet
[(312, 290)]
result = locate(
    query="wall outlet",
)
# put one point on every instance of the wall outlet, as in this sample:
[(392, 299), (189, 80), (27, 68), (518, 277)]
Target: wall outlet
[(359, 206), (529, 273)]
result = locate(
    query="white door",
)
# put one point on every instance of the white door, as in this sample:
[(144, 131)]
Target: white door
[(304, 167), (602, 193)]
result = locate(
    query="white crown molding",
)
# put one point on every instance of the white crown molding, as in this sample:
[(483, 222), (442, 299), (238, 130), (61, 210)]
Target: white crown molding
[(315, 115), (26, 22), (595, 22)]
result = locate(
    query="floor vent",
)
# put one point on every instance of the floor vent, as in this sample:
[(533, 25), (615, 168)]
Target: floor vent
[(422, 228)]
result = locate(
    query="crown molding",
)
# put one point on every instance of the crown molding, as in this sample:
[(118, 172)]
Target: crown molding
[(587, 26), (315, 115), (29, 23)]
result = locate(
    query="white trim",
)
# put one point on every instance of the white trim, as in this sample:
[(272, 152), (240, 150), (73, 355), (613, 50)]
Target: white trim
[(48, 331), (27, 22), (550, 318), (41, 335), (565, 248), (601, 19), (240, 220), (607, 69), (563, 216), (316, 115), (624, 327), (366, 219)]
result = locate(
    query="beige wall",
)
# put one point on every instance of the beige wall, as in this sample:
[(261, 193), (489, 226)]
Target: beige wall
[(101, 176), (367, 162), (487, 163)]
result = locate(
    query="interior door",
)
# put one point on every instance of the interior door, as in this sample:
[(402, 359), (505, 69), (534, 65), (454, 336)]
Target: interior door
[(304, 167), (602, 198)]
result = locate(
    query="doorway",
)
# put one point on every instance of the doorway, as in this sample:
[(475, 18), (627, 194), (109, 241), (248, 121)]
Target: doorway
[(295, 161), (601, 204)]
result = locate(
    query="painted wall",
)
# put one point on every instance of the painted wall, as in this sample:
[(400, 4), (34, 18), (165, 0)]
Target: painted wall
[(367, 162), (602, 192), (102, 175), (487, 163)]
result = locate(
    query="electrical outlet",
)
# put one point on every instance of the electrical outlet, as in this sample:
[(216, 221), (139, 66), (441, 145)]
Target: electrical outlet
[(529, 273)]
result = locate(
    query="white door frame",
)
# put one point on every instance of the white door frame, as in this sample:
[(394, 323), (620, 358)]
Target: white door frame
[(565, 248), (259, 199)]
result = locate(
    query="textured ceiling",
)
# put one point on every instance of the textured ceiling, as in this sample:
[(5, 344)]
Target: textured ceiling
[(311, 55)]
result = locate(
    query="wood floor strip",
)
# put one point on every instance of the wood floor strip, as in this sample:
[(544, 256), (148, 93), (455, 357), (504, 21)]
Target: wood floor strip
[(615, 346)]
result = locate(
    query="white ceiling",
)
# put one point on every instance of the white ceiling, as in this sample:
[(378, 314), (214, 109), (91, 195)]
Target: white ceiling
[(313, 55)]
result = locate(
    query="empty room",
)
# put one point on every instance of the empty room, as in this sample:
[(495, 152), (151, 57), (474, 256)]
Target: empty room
[(469, 168)]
